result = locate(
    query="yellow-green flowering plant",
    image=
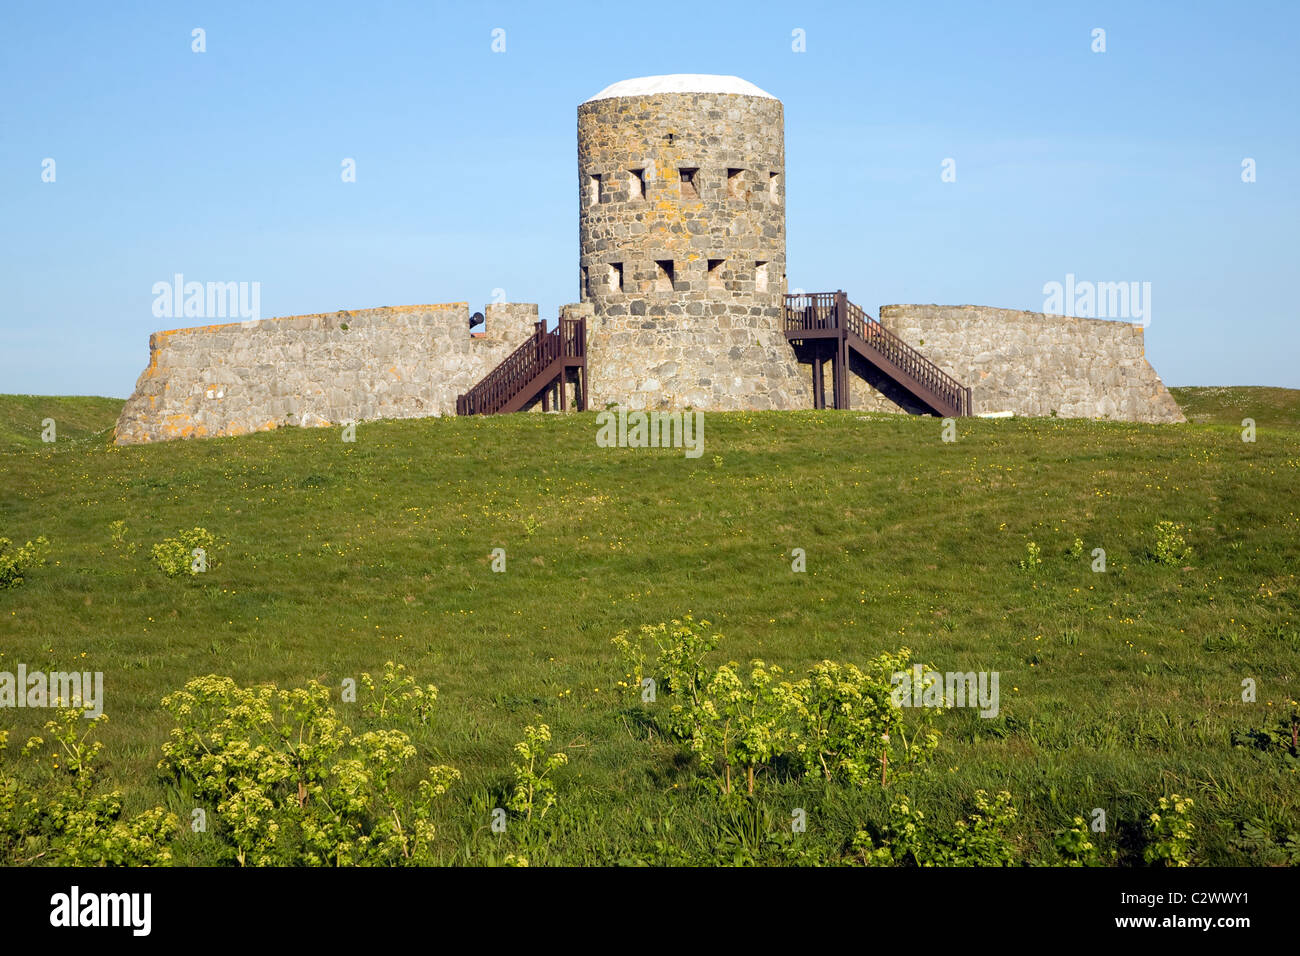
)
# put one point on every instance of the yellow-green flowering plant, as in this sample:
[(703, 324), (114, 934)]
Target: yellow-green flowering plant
[(290, 782), (397, 694), (979, 839), (746, 723), (1033, 559), (1170, 543), (57, 814), (1077, 845), (16, 562), (1171, 832), (174, 557), (852, 729), (534, 789)]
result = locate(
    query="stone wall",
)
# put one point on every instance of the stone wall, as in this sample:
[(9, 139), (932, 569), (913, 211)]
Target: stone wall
[(1035, 364), (710, 335), (309, 370)]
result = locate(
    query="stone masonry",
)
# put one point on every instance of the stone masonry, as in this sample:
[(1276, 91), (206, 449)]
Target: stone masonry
[(306, 370), (681, 198), (1035, 364)]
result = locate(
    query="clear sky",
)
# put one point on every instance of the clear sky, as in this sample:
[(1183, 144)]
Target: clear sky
[(1122, 166)]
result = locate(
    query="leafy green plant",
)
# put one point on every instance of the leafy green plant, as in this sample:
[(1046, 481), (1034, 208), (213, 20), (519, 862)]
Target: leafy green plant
[(1171, 832), (1268, 845), (533, 788), (398, 694), (839, 722), (1170, 544), (174, 557), (1033, 559), (1077, 846), (978, 840), (744, 724), (683, 646), (633, 653), (1076, 549), (15, 562), (850, 727), (70, 820), (291, 783), (1278, 739)]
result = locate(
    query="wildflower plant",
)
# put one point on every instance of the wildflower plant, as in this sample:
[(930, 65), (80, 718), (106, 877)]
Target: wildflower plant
[(16, 562), (174, 557), (1033, 559), (1077, 846), (57, 814), (398, 695), (839, 722), (1171, 832), (533, 787), (291, 783), (1170, 543), (979, 839), (851, 727), (744, 723)]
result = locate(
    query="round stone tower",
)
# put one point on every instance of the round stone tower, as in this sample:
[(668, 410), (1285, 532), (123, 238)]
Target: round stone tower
[(682, 231)]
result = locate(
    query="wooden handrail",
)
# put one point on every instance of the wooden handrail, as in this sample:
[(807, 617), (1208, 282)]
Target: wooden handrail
[(522, 366), (820, 312)]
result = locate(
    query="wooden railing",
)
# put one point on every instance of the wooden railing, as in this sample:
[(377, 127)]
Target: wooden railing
[(524, 365), (831, 311), (810, 312)]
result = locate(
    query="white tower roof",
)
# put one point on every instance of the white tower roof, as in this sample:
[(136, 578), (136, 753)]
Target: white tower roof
[(681, 83)]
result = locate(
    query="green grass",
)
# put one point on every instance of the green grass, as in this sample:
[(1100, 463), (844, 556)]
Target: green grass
[(1223, 405), (1116, 688), (76, 418)]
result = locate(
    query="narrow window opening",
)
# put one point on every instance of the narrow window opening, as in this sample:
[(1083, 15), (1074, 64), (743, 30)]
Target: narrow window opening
[(593, 188), (616, 277), (760, 277), (690, 177), (663, 275), (636, 184), (715, 273), (585, 288), (774, 187), (736, 183)]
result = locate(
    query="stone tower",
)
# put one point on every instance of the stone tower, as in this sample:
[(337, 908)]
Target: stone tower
[(682, 230)]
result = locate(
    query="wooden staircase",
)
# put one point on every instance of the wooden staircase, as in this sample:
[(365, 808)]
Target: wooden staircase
[(537, 369), (826, 325)]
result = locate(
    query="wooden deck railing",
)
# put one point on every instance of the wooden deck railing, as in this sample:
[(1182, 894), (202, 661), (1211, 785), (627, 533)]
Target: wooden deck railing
[(831, 311), (524, 365)]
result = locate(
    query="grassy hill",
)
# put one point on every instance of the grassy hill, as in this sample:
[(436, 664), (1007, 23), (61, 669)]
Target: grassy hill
[(332, 558), (1228, 405), (75, 417)]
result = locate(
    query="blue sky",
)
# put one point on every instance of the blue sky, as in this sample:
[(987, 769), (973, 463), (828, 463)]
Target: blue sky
[(225, 165)]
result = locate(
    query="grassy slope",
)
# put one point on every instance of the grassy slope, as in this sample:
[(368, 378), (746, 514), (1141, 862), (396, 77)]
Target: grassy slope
[(75, 418), (1223, 405), (1116, 687)]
